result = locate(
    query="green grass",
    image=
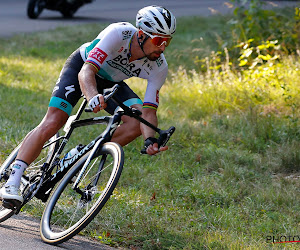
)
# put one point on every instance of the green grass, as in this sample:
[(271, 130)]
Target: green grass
[(231, 176)]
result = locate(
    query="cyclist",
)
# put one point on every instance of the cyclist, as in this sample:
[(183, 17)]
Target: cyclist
[(119, 52)]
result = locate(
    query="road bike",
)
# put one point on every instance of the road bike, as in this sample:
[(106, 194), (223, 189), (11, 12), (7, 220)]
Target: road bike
[(77, 189)]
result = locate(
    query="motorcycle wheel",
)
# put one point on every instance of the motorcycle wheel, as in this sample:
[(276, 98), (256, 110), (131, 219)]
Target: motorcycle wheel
[(35, 8)]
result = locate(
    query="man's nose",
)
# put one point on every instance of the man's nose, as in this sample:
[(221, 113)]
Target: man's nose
[(163, 47)]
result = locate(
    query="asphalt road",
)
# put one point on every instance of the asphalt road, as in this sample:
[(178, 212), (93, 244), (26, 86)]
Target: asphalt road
[(22, 232), (14, 20)]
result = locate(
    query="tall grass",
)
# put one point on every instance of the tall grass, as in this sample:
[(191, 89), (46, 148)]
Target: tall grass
[(231, 176)]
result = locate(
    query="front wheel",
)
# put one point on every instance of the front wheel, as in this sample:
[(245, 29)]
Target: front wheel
[(69, 211), (35, 8)]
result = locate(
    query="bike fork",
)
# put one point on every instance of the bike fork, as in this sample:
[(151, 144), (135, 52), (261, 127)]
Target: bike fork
[(87, 162)]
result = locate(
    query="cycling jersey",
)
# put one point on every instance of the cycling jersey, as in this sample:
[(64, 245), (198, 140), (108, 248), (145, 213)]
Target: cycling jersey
[(67, 91), (109, 53)]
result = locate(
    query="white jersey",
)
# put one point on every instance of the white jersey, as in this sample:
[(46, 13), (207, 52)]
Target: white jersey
[(109, 53)]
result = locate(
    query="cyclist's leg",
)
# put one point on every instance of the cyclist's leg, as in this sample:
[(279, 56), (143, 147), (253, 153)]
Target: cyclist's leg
[(65, 95), (128, 130), (34, 141), (30, 149), (130, 127)]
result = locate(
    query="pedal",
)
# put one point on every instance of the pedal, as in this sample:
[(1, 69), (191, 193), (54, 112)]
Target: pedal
[(11, 204)]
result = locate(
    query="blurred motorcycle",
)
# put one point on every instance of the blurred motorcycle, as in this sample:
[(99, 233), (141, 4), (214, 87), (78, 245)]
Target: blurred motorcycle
[(66, 7)]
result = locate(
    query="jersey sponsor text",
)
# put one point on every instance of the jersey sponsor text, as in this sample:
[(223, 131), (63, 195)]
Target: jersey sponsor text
[(98, 54), (121, 63)]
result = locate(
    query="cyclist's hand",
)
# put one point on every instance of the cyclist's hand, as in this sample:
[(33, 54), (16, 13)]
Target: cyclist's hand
[(97, 103), (151, 146), (153, 149)]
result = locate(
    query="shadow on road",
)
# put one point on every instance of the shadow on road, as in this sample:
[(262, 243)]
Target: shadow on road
[(22, 232)]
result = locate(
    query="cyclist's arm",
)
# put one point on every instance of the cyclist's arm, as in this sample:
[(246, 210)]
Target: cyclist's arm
[(94, 61), (87, 81), (88, 84), (150, 106), (150, 115)]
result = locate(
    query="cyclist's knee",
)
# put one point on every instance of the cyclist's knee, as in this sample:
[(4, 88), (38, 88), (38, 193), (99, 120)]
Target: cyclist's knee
[(52, 122), (133, 128), (47, 129)]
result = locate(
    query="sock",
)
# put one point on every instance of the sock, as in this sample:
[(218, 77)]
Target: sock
[(16, 173)]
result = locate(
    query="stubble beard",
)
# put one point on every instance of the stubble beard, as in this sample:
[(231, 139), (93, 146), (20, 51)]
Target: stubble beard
[(153, 56)]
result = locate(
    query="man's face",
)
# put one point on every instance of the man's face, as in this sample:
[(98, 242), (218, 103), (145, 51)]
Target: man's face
[(153, 50)]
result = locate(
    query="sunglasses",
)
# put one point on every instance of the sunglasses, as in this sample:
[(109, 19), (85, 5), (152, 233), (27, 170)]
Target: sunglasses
[(159, 40)]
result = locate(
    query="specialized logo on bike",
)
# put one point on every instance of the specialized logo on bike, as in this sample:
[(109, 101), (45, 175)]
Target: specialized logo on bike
[(73, 159), (121, 63)]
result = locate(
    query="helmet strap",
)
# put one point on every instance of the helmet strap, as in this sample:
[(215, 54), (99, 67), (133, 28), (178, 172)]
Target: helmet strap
[(141, 43)]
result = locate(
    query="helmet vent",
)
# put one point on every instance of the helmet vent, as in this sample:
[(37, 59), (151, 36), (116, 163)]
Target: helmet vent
[(152, 13), (160, 31), (168, 19), (159, 23), (148, 24)]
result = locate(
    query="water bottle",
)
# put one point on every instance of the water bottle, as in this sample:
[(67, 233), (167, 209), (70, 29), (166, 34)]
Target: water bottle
[(70, 154)]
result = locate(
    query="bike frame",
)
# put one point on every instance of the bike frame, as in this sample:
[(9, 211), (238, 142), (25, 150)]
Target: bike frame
[(73, 122), (47, 181)]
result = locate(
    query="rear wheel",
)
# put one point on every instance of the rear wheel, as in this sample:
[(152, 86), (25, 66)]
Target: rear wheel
[(69, 211), (5, 171), (35, 8)]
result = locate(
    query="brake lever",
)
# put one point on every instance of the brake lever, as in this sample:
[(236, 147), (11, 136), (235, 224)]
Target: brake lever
[(164, 137)]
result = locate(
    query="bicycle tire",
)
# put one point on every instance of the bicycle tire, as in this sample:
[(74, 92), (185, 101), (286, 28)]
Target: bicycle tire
[(35, 8), (56, 226), (32, 169)]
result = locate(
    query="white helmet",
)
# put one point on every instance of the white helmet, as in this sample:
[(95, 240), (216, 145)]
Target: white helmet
[(156, 19)]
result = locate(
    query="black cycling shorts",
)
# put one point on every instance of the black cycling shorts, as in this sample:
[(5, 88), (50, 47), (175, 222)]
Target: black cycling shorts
[(67, 92)]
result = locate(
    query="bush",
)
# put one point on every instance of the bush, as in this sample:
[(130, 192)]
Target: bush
[(252, 21)]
